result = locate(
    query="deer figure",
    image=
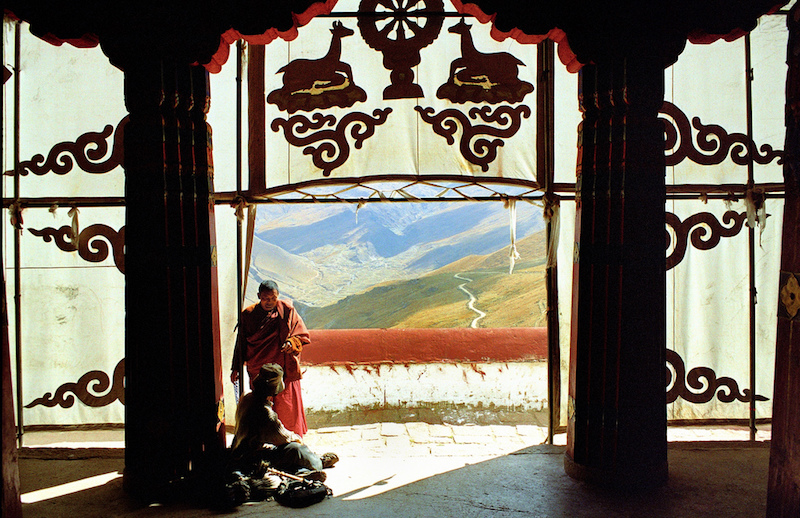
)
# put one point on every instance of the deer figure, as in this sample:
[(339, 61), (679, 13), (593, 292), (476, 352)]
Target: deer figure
[(317, 75), (477, 68)]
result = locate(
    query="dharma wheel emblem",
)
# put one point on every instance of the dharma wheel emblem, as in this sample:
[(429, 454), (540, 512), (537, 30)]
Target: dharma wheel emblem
[(399, 29)]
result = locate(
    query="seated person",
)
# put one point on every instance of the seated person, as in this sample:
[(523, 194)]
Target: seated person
[(261, 437)]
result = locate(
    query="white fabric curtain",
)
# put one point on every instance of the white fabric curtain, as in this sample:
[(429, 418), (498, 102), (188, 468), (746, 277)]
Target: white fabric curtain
[(709, 289), (404, 143), (72, 311)]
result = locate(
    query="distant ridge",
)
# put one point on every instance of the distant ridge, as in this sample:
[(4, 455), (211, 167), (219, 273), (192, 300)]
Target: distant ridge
[(530, 248), (322, 254), (434, 300)]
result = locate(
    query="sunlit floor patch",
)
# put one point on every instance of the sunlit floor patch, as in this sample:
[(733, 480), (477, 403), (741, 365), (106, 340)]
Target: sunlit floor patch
[(70, 487)]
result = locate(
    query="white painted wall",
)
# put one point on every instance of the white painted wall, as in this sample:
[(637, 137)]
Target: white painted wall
[(522, 386)]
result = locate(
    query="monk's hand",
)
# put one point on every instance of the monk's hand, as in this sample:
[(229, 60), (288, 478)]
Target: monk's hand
[(293, 346), (234, 376)]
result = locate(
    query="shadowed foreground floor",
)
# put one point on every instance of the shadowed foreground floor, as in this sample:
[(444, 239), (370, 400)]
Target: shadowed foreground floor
[(706, 480)]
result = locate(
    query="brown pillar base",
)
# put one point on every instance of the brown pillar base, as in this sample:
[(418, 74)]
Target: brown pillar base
[(11, 505)]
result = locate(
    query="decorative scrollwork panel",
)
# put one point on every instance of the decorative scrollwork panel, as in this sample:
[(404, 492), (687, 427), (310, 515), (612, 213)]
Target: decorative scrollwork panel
[(327, 143), (88, 152), (701, 384), (703, 230), (712, 144), (92, 243), (94, 389), (503, 122)]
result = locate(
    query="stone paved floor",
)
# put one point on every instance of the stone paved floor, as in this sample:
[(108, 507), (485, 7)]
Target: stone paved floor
[(408, 439), (416, 469), (423, 439)]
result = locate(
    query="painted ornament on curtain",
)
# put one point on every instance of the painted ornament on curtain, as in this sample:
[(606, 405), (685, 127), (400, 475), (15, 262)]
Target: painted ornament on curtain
[(711, 145), (399, 30), (473, 145), (702, 230), (388, 27), (90, 389), (90, 152), (482, 78), (310, 84), (701, 384), (333, 149), (91, 243)]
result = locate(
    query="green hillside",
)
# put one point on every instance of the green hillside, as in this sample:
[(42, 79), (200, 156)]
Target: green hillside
[(434, 301)]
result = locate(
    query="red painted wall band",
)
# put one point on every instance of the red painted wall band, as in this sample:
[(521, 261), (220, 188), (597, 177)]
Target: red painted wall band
[(458, 345)]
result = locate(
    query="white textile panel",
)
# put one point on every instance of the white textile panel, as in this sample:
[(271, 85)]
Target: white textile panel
[(768, 59), (221, 118), (708, 88), (566, 251), (708, 311), (310, 106), (73, 322), (226, 229), (567, 119), (67, 97)]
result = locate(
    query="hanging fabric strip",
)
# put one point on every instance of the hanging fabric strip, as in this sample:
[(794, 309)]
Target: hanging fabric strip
[(73, 213), (15, 212), (238, 207), (251, 228), (360, 204), (552, 210), (756, 208), (513, 255)]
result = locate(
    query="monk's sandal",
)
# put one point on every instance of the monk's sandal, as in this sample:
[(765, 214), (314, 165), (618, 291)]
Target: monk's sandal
[(329, 459)]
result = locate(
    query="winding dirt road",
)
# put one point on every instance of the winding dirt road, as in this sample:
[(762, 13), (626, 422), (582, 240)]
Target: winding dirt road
[(472, 300)]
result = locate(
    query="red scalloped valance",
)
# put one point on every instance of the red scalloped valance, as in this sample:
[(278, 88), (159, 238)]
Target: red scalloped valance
[(230, 36), (617, 26), (565, 54)]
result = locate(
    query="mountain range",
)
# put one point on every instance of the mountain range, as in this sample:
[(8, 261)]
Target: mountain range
[(331, 259)]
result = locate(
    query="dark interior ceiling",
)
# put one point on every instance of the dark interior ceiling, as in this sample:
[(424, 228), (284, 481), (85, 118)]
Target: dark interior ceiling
[(189, 30)]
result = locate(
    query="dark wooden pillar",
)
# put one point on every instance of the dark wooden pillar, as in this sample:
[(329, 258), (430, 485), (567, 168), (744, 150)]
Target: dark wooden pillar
[(783, 496), (174, 430), (616, 432), (11, 504), (256, 118)]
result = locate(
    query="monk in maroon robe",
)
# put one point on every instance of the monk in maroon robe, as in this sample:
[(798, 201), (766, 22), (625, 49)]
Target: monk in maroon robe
[(272, 331)]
